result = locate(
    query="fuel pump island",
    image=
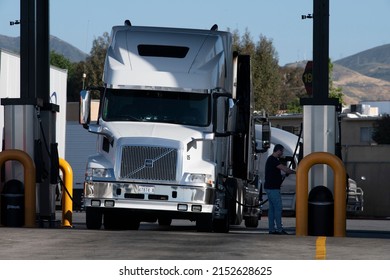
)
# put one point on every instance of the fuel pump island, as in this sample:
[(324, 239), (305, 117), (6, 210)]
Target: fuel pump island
[(30, 121)]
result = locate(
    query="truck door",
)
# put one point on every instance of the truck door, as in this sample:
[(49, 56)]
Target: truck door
[(243, 140)]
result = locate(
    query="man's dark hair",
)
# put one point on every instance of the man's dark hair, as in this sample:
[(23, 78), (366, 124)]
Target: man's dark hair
[(278, 147)]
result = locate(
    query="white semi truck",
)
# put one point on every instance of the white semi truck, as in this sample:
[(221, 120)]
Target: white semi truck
[(176, 133)]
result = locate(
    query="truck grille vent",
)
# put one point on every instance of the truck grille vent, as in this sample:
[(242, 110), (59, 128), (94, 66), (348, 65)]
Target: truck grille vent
[(148, 163)]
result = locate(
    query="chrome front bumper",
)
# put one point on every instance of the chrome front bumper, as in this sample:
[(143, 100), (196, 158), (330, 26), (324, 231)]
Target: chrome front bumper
[(149, 197)]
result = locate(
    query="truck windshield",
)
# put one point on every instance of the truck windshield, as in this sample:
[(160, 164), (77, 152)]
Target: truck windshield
[(156, 106)]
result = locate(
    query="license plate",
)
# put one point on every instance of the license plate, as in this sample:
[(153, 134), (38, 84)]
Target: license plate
[(145, 189)]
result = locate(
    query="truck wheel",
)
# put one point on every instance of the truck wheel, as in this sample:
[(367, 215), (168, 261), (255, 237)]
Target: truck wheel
[(164, 221), (112, 220), (222, 225), (93, 218), (251, 222), (204, 223), (235, 191), (132, 224), (239, 203)]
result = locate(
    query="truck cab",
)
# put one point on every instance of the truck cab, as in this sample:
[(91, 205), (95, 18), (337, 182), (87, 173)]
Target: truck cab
[(175, 133)]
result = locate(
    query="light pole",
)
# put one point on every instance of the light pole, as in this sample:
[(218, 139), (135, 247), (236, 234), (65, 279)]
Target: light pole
[(84, 76)]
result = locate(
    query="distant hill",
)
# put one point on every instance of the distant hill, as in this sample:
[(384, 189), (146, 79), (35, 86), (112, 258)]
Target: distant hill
[(373, 63), (363, 76), (357, 87), (59, 46), (9, 43)]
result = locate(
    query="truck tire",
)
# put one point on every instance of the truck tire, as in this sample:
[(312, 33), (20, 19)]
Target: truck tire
[(235, 191), (164, 221), (222, 225), (132, 224), (251, 222), (112, 220), (93, 218), (204, 223), (120, 219), (239, 203)]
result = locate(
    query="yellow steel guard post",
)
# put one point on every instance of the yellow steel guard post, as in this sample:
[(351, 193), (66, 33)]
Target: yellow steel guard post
[(29, 182), (67, 193), (340, 180)]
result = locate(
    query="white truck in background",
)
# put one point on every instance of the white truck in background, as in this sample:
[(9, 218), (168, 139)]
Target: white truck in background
[(292, 147), (176, 133)]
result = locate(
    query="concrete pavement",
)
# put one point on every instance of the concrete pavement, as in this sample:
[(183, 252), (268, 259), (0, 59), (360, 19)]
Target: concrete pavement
[(366, 240)]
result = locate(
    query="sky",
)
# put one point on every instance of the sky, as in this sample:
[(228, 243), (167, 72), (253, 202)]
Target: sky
[(355, 25)]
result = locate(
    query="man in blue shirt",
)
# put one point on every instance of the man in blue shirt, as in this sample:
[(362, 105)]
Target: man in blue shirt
[(273, 182)]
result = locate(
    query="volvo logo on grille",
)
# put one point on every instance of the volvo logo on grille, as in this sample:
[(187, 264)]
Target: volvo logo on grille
[(149, 163)]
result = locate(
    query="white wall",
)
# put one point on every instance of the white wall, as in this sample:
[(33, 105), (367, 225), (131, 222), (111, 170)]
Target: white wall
[(10, 88), (9, 83), (58, 79)]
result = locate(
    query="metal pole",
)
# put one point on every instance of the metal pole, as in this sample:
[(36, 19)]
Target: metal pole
[(320, 57), (42, 51), (321, 50), (27, 50)]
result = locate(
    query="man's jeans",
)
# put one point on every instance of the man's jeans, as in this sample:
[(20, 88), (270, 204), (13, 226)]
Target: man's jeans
[(274, 210)]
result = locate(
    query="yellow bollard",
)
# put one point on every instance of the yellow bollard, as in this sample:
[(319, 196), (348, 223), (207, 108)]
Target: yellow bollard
[(67, 205), (340, 180), (29, 182)]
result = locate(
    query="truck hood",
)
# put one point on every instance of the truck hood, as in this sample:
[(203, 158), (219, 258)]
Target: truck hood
[(153, 131), (279, 136)]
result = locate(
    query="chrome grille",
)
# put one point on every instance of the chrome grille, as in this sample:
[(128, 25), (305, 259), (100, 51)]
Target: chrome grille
[(148, 163)]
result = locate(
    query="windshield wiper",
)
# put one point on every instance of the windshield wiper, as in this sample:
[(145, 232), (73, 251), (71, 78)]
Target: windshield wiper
[(130, 118)]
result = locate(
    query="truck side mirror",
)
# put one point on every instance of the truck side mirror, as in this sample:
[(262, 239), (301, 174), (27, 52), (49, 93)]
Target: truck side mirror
[(231, 116), (266, 135), (85, 108), (223, 123), (265, 143)]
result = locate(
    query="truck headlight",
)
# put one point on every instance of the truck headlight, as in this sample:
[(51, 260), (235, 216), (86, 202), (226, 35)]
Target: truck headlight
[(100, 172), (195, 178)]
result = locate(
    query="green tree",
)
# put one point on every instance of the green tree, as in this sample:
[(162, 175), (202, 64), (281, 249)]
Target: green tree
[(76, 81), (266, 77), (334, 92), (89, 72), (95, 62), (265, 70), (294, 106), (60, 61), (292, 88), (381, 134)]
